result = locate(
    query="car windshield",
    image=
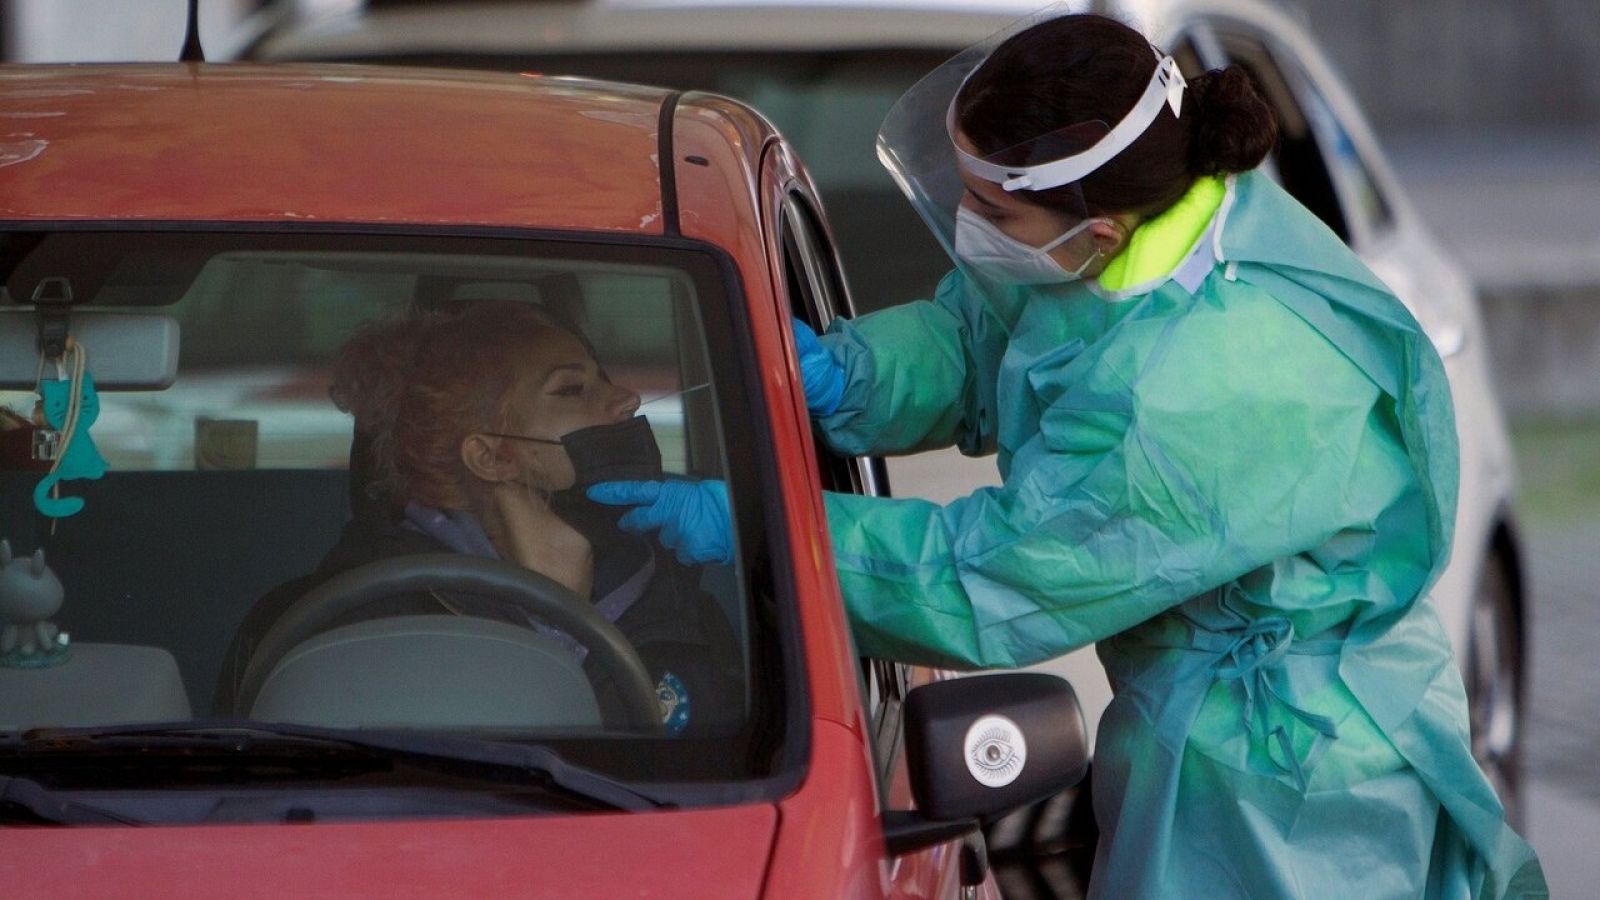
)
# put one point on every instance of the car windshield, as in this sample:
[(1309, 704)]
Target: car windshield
[(828, 106), (325, 523)]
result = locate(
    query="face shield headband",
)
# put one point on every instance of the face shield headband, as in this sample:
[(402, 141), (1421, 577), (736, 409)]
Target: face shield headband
[(1165, 89)]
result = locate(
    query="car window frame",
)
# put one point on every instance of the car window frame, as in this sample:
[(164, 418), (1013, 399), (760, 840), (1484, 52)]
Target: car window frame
[(811, 265), (767, 573)]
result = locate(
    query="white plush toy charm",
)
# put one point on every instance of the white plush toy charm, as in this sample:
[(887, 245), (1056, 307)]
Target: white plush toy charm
[(29, 595)]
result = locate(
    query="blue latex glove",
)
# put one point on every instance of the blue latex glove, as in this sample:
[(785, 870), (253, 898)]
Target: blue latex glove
[(692, 515), (820, 373)]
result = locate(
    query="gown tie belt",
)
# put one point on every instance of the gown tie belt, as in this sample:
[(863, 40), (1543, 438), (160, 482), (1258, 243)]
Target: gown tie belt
[(1253, 655)]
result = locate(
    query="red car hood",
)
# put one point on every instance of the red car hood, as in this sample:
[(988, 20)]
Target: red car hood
[(713, 853)]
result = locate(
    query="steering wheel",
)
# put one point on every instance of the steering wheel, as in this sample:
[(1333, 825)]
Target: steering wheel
[(422, 572)]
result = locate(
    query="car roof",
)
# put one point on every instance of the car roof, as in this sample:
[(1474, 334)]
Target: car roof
[(523, 26), (337, 143)]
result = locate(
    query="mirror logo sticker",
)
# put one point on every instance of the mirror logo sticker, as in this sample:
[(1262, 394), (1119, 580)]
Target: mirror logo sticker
[(995, 751)]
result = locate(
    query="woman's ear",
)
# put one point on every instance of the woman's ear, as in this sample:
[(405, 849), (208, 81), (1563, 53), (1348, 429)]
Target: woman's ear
[(486, 458), (1111, 234)]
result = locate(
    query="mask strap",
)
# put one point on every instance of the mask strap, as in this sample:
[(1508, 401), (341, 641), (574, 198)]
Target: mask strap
[(521, 437), (1071, 233)]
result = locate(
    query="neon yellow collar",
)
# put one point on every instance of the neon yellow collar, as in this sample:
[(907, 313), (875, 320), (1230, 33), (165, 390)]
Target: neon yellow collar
[(1157, 247)]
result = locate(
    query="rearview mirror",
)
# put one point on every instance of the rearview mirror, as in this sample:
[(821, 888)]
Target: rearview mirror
[(128, 351)]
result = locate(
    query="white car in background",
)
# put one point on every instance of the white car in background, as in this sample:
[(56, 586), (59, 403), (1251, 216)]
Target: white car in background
[(827, 72)]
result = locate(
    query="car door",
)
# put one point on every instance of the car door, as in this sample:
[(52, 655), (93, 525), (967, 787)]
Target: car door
[(814, 285)]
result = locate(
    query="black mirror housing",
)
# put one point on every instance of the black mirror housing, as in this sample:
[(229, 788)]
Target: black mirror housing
[(983, 746)]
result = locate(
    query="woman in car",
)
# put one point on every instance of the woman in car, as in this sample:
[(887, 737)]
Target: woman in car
[(1229, 459), (479, 426)]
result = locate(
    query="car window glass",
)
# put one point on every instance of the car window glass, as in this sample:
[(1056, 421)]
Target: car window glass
[(1187, 56), (886, 713), (808, 251), (1297, 160), (830, 111), (259, 330), (1350, 171), (810, 291), (245, 484), (876, 696)]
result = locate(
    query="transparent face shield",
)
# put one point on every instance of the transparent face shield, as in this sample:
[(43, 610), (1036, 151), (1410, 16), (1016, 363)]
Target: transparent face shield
[(984, 206)]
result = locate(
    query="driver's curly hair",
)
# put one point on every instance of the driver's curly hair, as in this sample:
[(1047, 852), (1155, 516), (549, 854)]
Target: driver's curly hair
[(419, 382)]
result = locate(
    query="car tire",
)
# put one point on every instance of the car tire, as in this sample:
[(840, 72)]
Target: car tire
[(1495, 679)]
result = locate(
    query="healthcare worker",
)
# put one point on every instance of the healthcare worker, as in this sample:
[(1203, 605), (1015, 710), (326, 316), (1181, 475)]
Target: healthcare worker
[(1229, 460)]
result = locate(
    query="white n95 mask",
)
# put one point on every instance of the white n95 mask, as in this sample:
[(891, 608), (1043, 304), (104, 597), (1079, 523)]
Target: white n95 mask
[(997, 255)]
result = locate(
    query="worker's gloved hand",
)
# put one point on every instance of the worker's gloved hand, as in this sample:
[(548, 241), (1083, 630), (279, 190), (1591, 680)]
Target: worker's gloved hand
[(691, 515), (820, 373)]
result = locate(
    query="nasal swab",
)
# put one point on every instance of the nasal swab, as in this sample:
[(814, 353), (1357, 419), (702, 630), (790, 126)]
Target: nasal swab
[(669, 396)]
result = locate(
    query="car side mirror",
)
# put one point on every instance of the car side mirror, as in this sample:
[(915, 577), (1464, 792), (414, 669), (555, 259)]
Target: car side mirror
[(980, 747)]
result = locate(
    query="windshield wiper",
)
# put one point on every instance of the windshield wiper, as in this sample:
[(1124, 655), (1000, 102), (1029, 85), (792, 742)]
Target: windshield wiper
[(499, 761), (27, 802)]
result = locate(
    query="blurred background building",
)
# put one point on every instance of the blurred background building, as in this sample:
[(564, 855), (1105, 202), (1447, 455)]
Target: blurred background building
[(1476, 63), (1491, 111)]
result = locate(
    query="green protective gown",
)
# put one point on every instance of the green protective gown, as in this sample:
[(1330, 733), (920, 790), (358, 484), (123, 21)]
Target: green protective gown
[(1239, 478)]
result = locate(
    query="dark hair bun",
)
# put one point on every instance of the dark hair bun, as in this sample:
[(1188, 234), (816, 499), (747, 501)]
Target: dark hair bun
[(1234, 129)]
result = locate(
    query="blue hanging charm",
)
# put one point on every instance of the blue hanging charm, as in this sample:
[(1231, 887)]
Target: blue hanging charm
[(78, 458)]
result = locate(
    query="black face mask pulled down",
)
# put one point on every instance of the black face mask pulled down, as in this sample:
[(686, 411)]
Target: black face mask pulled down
[(620, 451), (623, 451)]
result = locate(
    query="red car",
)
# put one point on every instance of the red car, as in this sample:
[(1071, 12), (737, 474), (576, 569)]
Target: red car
[(211, 236)]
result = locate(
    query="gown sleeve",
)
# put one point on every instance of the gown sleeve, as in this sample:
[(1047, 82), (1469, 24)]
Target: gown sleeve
[(1174, 456), (912, 376)]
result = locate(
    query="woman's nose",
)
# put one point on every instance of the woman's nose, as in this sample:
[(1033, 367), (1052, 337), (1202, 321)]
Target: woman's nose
[(623, 405)]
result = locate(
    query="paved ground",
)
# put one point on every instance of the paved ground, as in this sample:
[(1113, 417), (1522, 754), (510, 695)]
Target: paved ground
[(1563, 830), (1559, 506)]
